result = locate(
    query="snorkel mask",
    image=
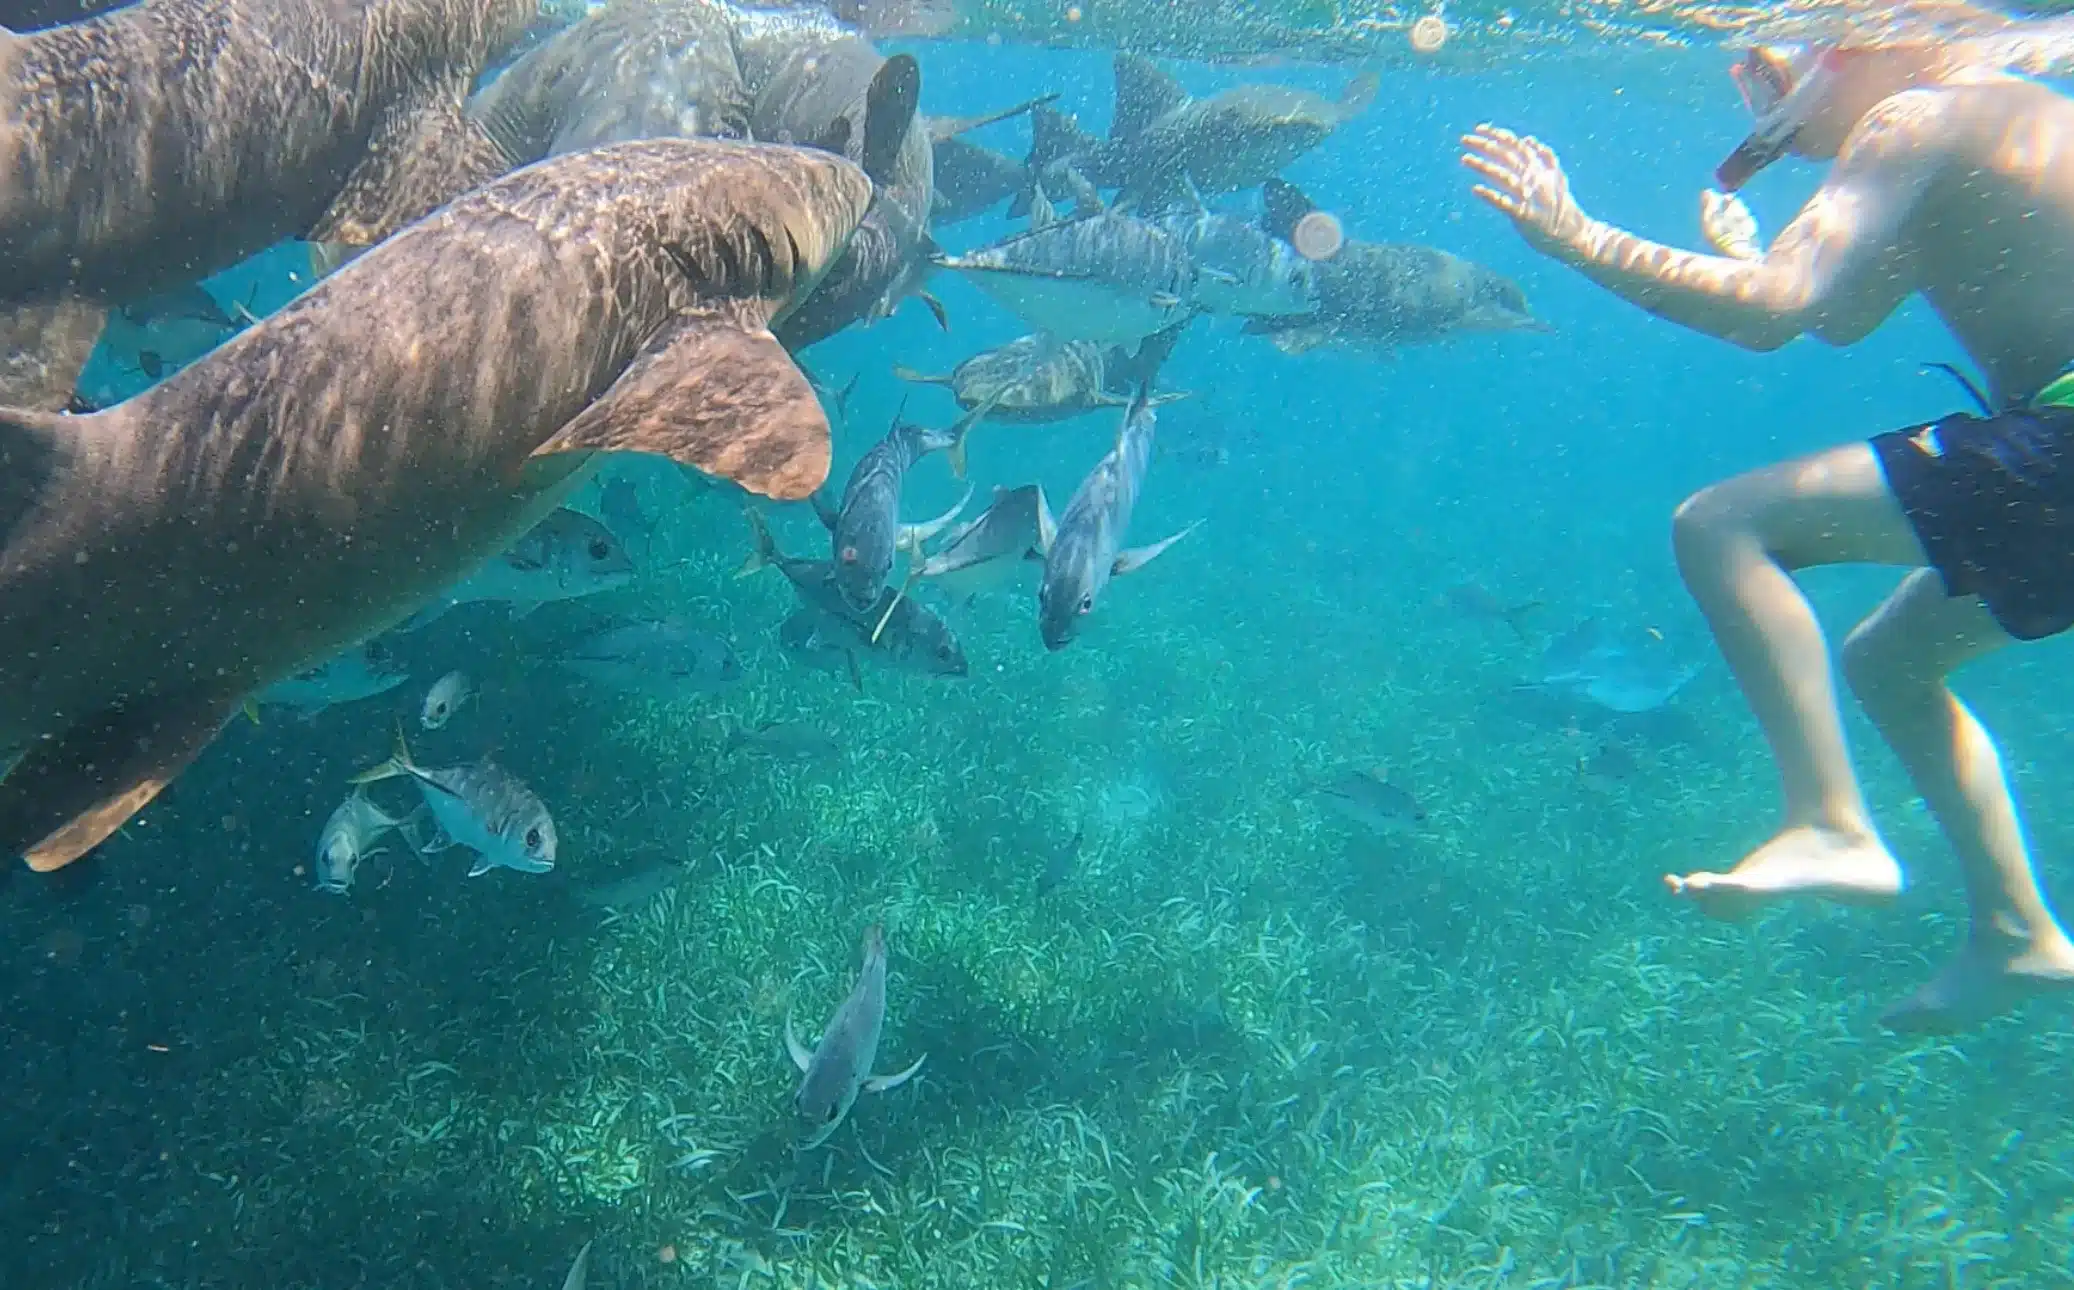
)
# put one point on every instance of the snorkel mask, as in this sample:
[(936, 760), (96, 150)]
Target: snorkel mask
[(1780, 86)]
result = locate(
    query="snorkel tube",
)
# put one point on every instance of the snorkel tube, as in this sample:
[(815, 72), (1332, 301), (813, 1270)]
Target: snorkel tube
[(1780, 87)]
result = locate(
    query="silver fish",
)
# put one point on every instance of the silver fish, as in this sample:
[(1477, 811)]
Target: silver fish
[(1367, 798), (838, 1067), (1100, 277), (1383, 295), (444, 699), (865, 531), (1240, 269), (995, 542), (1164, 145), (1039, 378), (665, 657), (481, 807), (348, 837), (1083, 549), (566, 555), (365, 670), (894, 629), (787, 740)]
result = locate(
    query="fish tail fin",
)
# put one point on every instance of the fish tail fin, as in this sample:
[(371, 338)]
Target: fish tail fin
[(1516, 617), (1155, 350), (918, 378), (961, 431), (1285, 205), (1054, 137), (763, 552), (399, 763), (1359, 93)]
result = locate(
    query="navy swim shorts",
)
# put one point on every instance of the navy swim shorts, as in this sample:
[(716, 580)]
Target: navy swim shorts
[(1992, 502)]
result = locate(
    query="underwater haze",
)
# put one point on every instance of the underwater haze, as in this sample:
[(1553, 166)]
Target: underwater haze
[(1289, 928)]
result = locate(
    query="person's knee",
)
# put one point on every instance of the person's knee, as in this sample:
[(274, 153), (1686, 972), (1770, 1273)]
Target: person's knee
[(1885, 666), (1710, 521)]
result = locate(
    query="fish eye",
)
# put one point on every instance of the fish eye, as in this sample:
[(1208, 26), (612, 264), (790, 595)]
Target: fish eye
[(1087, 604), (849, 555), (600, 548), (533, 839)]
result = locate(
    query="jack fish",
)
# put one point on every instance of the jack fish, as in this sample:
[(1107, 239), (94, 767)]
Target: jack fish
[(838, 1067), (1083, 549), (865, 530), (1039, 378), (333, 468), (1096, 277), (1164, 146), (482, 807), (1381, 295)]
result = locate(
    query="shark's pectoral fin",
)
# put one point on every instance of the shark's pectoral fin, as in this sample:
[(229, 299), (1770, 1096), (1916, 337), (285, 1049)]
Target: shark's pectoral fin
[(43, 347), (425, 153), (1139, 556), (711, 393), (881, 1083), (802, 1057), (68, 793)]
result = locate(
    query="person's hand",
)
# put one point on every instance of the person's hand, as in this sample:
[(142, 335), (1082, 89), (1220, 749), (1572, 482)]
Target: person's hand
[(1522, 178), (1729, 227)]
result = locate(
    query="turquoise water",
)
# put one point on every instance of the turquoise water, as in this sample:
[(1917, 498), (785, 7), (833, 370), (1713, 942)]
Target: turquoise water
[(1239, 1044)]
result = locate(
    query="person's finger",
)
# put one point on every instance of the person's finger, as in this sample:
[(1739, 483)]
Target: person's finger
[(1504, 203)]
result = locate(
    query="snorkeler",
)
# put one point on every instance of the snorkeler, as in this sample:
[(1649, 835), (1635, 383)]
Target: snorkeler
[(1953, 178)]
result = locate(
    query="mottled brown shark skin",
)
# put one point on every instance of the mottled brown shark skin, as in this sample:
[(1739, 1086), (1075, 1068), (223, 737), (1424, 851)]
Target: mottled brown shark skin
[(151, 146), (634, 69), (332, 468)]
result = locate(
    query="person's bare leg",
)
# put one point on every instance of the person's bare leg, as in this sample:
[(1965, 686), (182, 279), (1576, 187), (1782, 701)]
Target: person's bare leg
[(1896, 662), (1737, 543)]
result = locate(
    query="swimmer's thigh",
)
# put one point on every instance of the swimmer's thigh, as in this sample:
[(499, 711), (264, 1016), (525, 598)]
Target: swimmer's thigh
[(1830, 507)]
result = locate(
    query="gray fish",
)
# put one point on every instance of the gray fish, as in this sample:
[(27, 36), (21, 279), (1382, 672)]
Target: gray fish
[(565, 556), (358, 672), (634, 889), (619, 506), (159, 143), (1475, 602), (630, 69), (893, 629), (1163, 145), (1381, 295), (1039, 378), (810, 639), (1098, 277), (665, 657), (1239, 269), (788, 740), (864, 530), (348, 837), (838, 1067), (1084, 548), (482, 807), (446, 697), (342, 462), (1620, 668), (991, 547), (1367, 798), (969, 178)]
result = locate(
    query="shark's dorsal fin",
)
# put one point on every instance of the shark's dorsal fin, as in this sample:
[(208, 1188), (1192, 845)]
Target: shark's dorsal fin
[(1144, 94)]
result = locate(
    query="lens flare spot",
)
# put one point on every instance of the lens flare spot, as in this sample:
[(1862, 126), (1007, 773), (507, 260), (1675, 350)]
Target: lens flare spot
[(1318, 236), (1428, 34)]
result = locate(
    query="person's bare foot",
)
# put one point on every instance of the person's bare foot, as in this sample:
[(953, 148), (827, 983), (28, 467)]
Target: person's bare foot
[(1851, 868), (1991, 974)]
